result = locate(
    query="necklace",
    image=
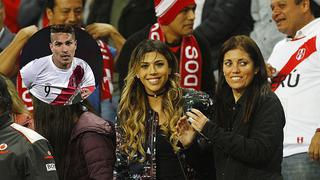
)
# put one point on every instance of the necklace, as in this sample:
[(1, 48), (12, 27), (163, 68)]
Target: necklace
[(156, 94)]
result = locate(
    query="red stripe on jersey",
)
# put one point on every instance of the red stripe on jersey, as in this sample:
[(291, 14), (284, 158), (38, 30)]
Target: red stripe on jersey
[(74, 81), (299, 56)]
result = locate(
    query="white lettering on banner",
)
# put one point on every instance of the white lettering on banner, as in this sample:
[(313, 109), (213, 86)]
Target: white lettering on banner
[(156, 26), (189, 64), (191, 54), (155, 36), (24, 96), (190, 80)]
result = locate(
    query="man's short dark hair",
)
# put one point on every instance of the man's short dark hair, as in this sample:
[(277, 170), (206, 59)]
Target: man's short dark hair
[(314, 7), (5, 98), (62, 28), (52, 3)]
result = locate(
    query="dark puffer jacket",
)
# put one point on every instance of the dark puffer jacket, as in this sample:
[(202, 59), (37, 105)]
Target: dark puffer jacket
[(92, 149)]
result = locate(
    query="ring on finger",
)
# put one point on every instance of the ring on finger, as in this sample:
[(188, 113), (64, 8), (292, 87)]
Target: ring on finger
[(190, 119)]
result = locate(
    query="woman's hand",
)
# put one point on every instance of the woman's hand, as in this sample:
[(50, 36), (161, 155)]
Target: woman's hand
[(197, 119), (186, 133)]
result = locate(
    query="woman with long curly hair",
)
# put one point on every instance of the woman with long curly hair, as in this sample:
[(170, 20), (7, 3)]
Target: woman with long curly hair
[(150, 106)]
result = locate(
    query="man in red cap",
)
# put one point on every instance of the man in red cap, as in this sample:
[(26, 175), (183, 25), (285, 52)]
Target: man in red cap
[(174, 26)]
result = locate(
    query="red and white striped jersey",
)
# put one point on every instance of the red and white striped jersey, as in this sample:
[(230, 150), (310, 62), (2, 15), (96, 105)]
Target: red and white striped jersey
[(299, 89), (57, 86)]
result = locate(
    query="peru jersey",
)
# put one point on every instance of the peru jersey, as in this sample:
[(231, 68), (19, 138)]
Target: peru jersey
[(57, 86), (298, 85)]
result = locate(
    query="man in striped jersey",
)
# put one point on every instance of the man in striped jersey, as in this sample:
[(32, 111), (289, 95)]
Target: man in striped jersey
[(72, 77)]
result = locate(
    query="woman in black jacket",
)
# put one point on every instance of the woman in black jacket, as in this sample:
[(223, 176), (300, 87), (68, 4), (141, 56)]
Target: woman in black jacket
[(248, 129), (151, 104)]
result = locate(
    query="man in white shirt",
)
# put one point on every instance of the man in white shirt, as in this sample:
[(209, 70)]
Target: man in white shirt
[(60, 78), (297, 84)]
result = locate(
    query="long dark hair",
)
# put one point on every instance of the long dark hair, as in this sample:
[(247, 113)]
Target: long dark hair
[(55, 123), (257, 88)]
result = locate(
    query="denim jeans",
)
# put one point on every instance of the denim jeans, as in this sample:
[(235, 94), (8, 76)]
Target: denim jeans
[(300, 167), (94, 100), (109, 108)]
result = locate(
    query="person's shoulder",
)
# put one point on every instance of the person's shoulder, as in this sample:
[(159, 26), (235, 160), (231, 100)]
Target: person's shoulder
[(29, 140), (277, 50), (89, 121), (199, 37), (280, 43), (39, 62), (201, 40), (79, 60), (29, 135), (270, 98)]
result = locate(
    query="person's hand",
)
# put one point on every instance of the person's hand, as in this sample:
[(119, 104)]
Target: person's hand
[(186, 133), (85, 92), (97, 30), (197, 119), (314, 148), (28, 31), (271, 71)]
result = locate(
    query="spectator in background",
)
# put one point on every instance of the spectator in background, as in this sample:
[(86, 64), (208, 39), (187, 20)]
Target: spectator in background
[(265, 32), (9, 56), (297, 84), (247, 129), (99, 11), (123, 14), (20, 113), (141, 10), (30, 13), (6, 35), (222, 19), (11, 45), (24, 154), (23, 13), (175, 28)]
